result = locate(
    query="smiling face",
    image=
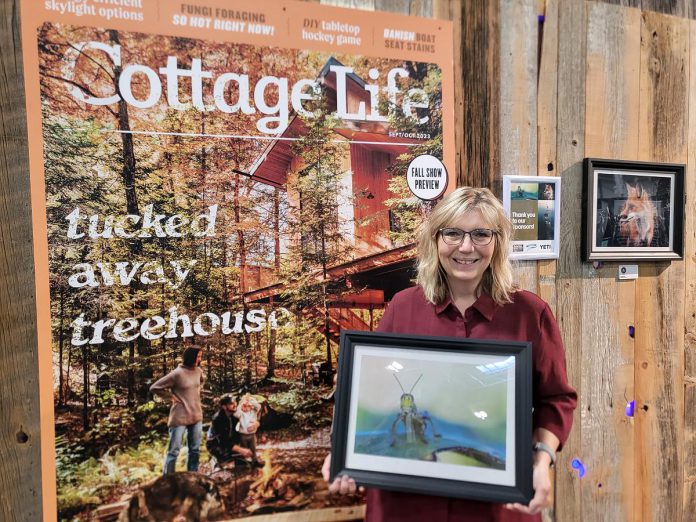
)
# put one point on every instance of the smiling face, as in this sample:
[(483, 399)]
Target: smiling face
[(466, 263)]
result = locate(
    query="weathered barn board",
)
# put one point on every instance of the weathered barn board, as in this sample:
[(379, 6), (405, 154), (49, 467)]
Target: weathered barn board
[(479, 76), (354, 4), (659, 344), (569, 152), (547, 96), (547, 93), (611, 131), (518, 105), (684, 8), (452, 10), (20, 437), (690, 293), (690, 502), (613, 61), (518, 93), (407, 7), (410, 7), (672, 7)]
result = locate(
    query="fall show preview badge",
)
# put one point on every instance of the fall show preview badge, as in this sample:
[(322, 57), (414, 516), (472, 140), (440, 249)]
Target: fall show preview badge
[(427, 177)]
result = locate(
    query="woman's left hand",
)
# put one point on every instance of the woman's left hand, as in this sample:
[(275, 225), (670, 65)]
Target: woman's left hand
[(541, 481)]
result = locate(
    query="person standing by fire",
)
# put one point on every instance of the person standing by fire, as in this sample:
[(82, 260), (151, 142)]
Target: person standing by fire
[(465, 289), (183, 387)]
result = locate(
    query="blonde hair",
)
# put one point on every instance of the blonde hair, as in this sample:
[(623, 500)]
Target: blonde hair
[(497, 279)]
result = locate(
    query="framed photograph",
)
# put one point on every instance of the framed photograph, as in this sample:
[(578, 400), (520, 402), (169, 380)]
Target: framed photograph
[(435, 415), (533, 204), (633, 211)]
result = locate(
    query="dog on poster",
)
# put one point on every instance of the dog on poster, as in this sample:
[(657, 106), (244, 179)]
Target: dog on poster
[(177, 497)]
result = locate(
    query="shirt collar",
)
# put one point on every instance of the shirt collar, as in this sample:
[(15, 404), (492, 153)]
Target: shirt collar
[(484, 304)]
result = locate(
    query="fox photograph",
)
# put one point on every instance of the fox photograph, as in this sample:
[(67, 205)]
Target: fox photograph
[(632, 210)]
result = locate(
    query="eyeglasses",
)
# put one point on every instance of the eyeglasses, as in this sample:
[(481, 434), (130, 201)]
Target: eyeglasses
[(455, 236)]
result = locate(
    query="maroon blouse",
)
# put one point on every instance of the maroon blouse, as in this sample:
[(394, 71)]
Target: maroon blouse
[(527, 318)]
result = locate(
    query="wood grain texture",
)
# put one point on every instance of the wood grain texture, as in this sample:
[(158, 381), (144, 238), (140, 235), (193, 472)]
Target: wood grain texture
[(518, 91), (569, 152), (452, 10), (611, 131), (690, 291), (671, 7), (613, 62), (547, 106), (20, 457), (659, 345), (689, 444), (683, 8), (368, 5), (690, 505), (547, 97), (518, 105), (479, 77)]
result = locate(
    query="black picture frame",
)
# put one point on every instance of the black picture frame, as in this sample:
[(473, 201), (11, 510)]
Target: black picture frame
[(632, 210), (480, 448)]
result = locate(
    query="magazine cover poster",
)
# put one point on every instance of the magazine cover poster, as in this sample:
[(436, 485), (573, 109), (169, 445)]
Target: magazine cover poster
[(218, 189)]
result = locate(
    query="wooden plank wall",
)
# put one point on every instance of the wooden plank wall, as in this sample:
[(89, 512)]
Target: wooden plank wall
[(601, 79), (20, 453), (570, 146), (630, 73), (518, 105), (611, 131), (689, 439)]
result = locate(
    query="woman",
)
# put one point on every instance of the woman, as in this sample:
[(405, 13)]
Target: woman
[(183, 387), (465, 289)]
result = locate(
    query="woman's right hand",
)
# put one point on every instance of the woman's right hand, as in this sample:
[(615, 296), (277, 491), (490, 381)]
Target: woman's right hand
[(342, 484)]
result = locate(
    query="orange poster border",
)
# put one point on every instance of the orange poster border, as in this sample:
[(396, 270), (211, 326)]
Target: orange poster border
[(285, 13)]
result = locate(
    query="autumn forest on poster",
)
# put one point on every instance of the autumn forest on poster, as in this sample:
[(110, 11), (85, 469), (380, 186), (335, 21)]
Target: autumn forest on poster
[(246, 200)]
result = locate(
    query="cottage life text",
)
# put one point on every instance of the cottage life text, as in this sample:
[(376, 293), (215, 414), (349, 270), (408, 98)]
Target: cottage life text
[(83, 227), (277, 113)]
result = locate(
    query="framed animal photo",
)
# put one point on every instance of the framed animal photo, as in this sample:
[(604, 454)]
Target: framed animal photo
[(435, 415), (633, 211)]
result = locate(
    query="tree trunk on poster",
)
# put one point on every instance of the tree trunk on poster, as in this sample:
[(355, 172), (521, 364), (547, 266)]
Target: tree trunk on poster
[(131, 372), (61, 340), (128, 171), (85, 387)]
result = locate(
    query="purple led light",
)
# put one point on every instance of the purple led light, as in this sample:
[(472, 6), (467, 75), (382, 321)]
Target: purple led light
[(577, 464), (630, 408), (631, 331)]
